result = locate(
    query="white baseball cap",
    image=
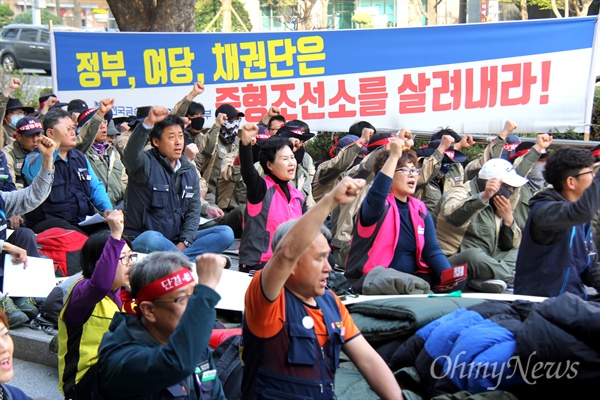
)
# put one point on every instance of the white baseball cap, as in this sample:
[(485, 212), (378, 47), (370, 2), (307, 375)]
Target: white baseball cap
[(502, 169)]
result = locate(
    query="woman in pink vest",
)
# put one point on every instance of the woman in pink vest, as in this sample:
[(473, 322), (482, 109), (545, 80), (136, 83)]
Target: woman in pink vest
[(271, 200), (394, 229)]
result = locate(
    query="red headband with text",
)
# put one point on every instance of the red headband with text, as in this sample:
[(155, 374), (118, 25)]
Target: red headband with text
[(158, 288)]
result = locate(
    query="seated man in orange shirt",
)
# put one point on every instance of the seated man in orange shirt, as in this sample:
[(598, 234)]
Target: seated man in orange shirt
[(294, 329)]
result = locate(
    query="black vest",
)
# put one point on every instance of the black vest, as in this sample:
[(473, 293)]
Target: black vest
[(70, 196), (6, 181), (160, 203), (3, 225), (293, 362)]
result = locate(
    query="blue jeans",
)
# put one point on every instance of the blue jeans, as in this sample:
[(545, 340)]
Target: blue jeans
[(211, 240)]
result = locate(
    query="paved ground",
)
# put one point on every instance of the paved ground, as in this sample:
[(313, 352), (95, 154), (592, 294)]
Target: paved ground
[(36, 380)]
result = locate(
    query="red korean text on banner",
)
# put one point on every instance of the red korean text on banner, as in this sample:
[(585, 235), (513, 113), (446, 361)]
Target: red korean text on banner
[(372, 96), (415, 102), (342, 110), (284, 101), (312, 99), (228, 95), (254, 102)]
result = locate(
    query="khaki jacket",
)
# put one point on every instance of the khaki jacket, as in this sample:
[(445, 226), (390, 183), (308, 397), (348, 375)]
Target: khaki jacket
[(428, 191), (464, 222), (213, 151), (492, 150), (15, 157), (330, 172), (232, 190)]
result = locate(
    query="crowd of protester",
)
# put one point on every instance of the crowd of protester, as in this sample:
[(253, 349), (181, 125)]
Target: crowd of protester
[(391, 217)]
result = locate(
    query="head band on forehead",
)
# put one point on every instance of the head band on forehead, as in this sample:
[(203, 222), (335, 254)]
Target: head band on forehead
[(510, 146), (156, 289), (381, 142), (164, 285)]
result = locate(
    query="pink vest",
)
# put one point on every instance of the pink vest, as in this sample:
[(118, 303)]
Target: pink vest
[(375, 245), (262, 219)]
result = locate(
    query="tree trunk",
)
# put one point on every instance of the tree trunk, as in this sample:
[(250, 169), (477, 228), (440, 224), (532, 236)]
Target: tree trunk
[(431, 13), (524, 13), (57, 2), (585, 6), (555, 9), (153, 15), (324, 11), (226, 7), (76, 14)]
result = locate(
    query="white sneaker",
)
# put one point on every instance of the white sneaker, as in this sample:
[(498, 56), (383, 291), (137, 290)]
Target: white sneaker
[(487, 286)]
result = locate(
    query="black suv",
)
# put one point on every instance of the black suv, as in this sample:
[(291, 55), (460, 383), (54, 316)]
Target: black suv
[(26, 46)]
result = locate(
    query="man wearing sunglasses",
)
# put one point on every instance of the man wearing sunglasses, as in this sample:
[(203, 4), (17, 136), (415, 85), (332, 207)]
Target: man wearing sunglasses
[(159, 349), (557, 252)]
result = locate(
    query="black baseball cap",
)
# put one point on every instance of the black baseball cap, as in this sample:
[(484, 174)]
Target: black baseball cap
[(77, 105)]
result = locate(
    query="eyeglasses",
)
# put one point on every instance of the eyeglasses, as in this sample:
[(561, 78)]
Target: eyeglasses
[(584, 173), (129, 258), (182, 301), (409, 171)]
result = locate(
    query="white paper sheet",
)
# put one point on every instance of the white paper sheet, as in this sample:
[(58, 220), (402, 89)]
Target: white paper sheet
[(37, 280), (205, 220), (92, 219), (232, 289)]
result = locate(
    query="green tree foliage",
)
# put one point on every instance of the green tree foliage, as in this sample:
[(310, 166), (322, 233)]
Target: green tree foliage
[(207, 9), (29, 92), (361, 18), (297, 14), (25, 18), (576, 8), (547, 4), (318, 147), (6, 14), (595, 130)]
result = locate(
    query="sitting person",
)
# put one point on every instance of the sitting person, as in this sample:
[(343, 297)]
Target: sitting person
[(76, 192), (163, 194), (502, 146), (394, 229), (441, 166), (7, 372), (102, 155), (529, 160), (221, 139), (271, 200), (343, 217), (22, 242), (476, 226), (161, 351), (299, 133), (348, 152), (557, 252), (293, 328), (27, 135), (90, 306)]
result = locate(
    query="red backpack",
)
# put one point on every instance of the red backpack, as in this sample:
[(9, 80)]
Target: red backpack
[(63, 247)]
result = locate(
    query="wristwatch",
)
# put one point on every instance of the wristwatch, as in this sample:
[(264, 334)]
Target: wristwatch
[(186, 243)]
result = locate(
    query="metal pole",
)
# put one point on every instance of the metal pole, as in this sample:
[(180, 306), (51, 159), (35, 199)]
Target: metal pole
[(36, 18), (484, 139)]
